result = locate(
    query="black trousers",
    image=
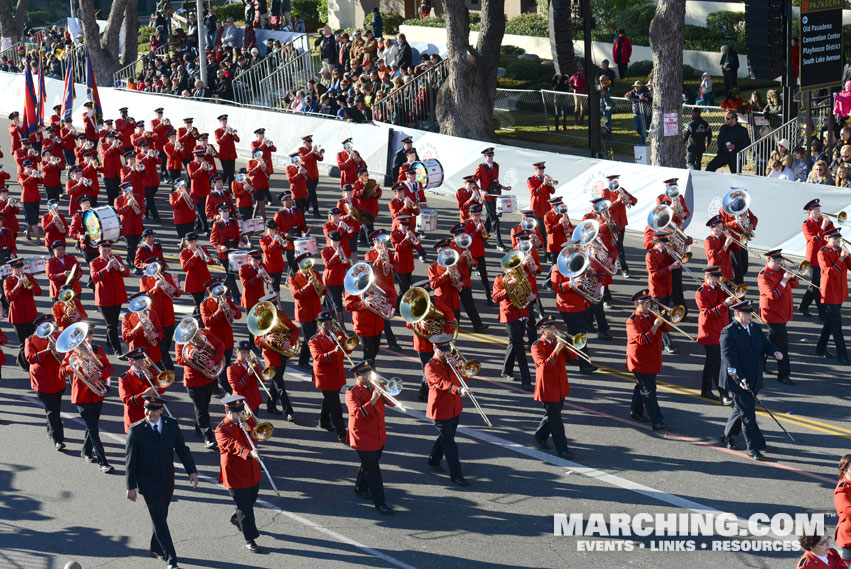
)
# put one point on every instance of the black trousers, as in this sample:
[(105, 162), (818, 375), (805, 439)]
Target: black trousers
[(53, 192), (694, 160), (112, 190), (622, 69), (335, 294), (230, 281), (291, 264), (245, 499), (223, 377), (492, 222), (370, 345), (552, 424), (597, 312), (165, 347), (832, 326), (445, 445), (739, 259), (332, 412), (23, 331), (666, 336), (228, 169), (466, 296), (482, 267), (575, 323), (198, 298), (200, 397), (174, 175), (312, 197), (516, 350), (778, 335), (308, 331), (202, 223), (279, 390), (813, 293), (369, 475), (110, 316), (184, 228), (677, 296), (161, 542), (302, 204), (404, 280), (621, 252), (52, 403), (132, 246), (711, 368), (246, 212), (542, 228), (90, 413), (150, 201), (425, 357), (644, 396), (70, 158), (727, 159), (743, 417)]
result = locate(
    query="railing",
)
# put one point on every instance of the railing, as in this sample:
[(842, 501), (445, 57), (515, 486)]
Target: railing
[(413, 104), (269, 90), (121, 77)]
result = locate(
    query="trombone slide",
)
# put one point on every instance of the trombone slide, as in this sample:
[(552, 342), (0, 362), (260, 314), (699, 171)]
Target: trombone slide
[(470, 394), (260, 460), (672, 325)]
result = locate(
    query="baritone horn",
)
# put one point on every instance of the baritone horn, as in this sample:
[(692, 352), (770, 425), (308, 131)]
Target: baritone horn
[(83, 361), (515, 282), (197, 351), (417, 308), (263, 322), (360, 282)]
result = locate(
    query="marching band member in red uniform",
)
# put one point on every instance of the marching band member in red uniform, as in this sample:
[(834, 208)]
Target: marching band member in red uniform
[(134, 173), (254, 278), (183, 210), (199, 386), (714, 306), (446, 282), (150, 252), (467, 196), (551, 386), (475, 228), (54, 224), (620, 199), (187, 136), (558, 226), (739, 256), (290, 224), (834, 261), (518, 229), (297, 178), (241, 376), (59, 268), (272, 357), (347, 226), (414, 190), (644, 359), (20, 290), (404, 243), (465, 264), (199, 175), (173, 156), (131, 211), (151, 178), (367, 434), (134, 387), (225, 236), (239, 469), (572, 306), (349, 207), (226, 138), (400, 206), (307, 290), (329, 376), (717, 247), (514, 319), (266, 147), (8, 208), (814, 228), (68, 313), (487, 177), (776, 307), (45, 380), (258, 177), (309, 156), (421, 343), (348, 160), (242, 194), (444, 408), (336, 263), (273, 245), (540, 190), (366, 324), (89, 404), (367, 193), (108, 272), (51, 169), (31, 198), (143, 330), (410, 157), (194, 261), (84, 242), (162, 290), (659, 267), (217, 196), (218, 314)]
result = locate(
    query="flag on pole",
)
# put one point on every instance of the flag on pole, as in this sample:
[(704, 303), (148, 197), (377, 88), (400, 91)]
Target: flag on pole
[(29, 123), (42, 90), (69, 93), (92, 91)]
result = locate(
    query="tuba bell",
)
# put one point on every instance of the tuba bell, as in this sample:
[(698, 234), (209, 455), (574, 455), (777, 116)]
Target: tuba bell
[(516, 283), (661, 218), (360, 281), (574, 263), (587, 234), (263, 322), (197, 351), (735, 204), (417, 308)]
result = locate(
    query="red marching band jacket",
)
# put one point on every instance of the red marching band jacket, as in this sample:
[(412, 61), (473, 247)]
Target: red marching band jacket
[(444, 399), (367, 430), (237, 468), (131, 386), (191, 376), (328, 371), (550, 372), (714, 314), (775, 301), (643, 349)]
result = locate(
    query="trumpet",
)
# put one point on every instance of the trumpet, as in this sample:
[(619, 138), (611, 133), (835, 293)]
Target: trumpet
[(206, 165), (675, 316), (25, 281), (85, 181), (177, 145), (229, 130), (450, 360), (344, 226), (218, 292), (548, 180), (200, 252), (412, 237), (388, 388)]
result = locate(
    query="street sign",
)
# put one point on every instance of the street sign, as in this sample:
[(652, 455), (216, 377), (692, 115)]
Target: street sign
[(821, 44)]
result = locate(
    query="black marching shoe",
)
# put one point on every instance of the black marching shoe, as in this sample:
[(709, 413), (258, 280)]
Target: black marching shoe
[(235, 522), (804, 311), (709, 395), (842, 360), (587, 369), (363, 494), (727, 401), (639, 418), (785, 381), (436, 467), (565, 454), (59, 446), (729, 442), (756, 455), (272, 408), (542, 445), (659, 426), (825, 354), (460, 481), (480, 328), (290, 417), (604, 335), (384, 509), (156, 555), (527, 387), (251, 546), (328, 428)]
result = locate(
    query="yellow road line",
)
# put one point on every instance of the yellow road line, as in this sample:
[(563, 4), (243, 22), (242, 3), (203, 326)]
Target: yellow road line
[(801, 421)]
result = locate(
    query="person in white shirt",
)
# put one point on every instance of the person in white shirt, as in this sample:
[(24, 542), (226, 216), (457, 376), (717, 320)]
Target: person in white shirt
[(779, 171)]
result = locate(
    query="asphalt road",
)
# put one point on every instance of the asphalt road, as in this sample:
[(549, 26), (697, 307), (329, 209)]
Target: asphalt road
[(55, 507)]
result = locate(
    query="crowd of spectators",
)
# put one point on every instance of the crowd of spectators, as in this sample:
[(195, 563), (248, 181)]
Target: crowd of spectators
[(53, 44)]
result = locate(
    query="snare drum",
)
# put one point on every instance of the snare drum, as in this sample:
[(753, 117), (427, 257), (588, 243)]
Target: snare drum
[(102, 223), (429, 173), (36, 265), (251, 226), (427, 220), (307, 245), (236, 259), (506, 203)]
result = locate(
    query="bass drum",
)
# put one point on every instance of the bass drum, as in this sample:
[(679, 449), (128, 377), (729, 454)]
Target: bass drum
[(429, 173), (102, 223)]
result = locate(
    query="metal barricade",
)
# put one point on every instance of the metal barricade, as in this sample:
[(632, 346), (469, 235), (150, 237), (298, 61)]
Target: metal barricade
[(129, 71), (288, 68), (413, 104)]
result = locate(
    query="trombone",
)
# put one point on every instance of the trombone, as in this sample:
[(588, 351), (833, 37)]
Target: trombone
[(260, 460), (388, 388), (574, 343), (469, 393), (739, 290), (349, 342), (803, 268), (675, 315), (261, 431), (469, 368), (741, 242), (266, 375), (161, 378)]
